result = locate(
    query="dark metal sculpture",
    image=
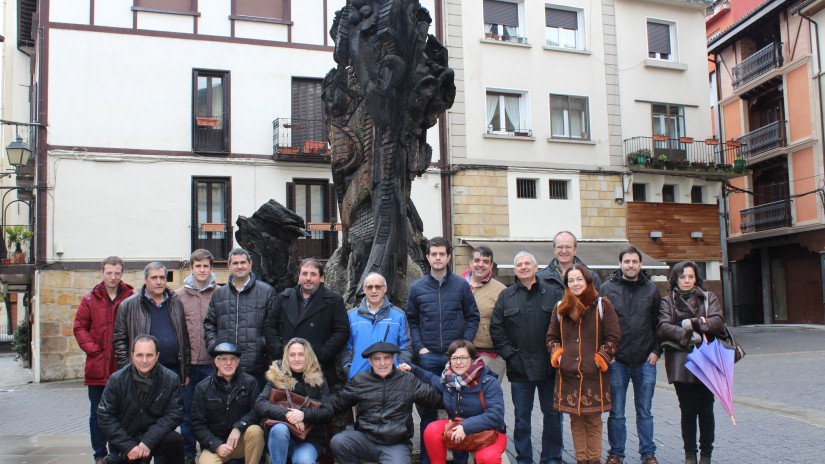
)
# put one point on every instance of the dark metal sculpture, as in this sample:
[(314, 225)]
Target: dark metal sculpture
[(390, 85), (269, 237)]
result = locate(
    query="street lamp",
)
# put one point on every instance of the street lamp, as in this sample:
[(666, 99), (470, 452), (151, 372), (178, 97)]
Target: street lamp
[(18, 153)]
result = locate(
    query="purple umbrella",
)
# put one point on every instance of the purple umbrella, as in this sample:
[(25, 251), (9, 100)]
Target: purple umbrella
[(712, 364)]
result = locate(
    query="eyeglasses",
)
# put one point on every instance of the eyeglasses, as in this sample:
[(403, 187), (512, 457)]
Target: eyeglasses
[(564, 247), (374, 287), (227, 359), (460, 359)]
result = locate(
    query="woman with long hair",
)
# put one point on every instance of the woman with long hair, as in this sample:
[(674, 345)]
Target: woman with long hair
[(685, 314), (299, 372), (471, 392), (583, 337)]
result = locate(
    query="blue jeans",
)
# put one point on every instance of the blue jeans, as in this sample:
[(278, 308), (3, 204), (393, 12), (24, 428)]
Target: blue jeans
[(196, 374), (552, 441), (643, 377), (283, 445), (98, 438), (432, 362)]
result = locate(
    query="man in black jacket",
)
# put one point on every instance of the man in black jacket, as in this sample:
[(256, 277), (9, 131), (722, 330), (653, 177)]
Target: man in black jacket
[(223, 419), (237, 313), (636, 301), (518, 328), (312, 312), (384, 396), (141, 407), (564, 247)]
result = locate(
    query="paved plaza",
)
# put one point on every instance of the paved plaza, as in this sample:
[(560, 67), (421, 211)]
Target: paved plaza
[(779, 405)]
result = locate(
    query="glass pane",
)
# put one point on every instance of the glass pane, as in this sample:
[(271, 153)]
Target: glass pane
[(578, 104), (317, 208), (301, 201), (218, 200), (558, 102), (512, 110), (576, 123), (557, 123), (201, 105), (551, 36), (201, 202), (568, 38), (495, 119)]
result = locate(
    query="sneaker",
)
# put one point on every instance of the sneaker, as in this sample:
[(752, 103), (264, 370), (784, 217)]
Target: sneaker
[(650, 460), (613, 459)]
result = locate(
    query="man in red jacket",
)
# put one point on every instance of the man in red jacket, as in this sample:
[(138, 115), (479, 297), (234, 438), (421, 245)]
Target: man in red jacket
[(93, 328)]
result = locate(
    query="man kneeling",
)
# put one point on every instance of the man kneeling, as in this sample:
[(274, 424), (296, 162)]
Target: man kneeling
[(141, 407), (223, 419), (384, 396)]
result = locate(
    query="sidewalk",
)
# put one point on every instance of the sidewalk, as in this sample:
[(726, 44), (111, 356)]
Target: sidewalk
[(779, 406)]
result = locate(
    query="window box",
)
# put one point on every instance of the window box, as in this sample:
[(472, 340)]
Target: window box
[(207, 122), (685, 139), (288, 150), (213, 227), (660, 138), (713, 141)]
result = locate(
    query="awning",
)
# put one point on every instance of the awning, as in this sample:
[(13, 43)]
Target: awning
[(596, 254)]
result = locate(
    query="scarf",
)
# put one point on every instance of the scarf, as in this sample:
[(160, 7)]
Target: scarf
[(574, 306), (685, 294), (144, 384), (469, 378)]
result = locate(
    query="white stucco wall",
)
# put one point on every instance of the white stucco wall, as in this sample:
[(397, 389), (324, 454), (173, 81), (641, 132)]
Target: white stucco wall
[(536, 218)]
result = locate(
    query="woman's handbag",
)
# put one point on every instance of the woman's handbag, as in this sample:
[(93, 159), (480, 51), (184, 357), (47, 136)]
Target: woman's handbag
[(729, 342), (472, 442), (290, 400)]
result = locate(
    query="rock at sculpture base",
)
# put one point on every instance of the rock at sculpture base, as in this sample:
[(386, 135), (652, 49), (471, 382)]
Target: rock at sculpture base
[(269, 237), (336, 279)]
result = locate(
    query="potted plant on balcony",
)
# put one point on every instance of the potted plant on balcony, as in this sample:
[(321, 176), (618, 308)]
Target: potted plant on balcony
[(640, 156), (739, 163), (18, 235)]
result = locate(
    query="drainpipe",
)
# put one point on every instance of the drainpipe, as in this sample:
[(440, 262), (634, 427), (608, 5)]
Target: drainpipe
[(443, 147)]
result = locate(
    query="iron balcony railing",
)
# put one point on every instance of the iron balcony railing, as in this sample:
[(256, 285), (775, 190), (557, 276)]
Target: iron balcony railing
[(295, 137), (765, 138), (765, 217), (710, 152), (210, 135), (761, 62)]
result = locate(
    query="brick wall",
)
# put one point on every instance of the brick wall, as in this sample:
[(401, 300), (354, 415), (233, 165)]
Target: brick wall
[(601, 216), (480, 209)]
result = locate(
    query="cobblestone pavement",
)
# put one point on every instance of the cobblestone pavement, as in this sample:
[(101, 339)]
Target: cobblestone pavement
[(779, 405)]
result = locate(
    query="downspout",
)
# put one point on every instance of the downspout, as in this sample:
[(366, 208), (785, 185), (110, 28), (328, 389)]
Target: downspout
[(727, 274), (443, 148)]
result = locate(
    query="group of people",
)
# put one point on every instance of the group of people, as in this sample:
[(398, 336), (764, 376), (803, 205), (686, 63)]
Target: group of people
[(244, 370)]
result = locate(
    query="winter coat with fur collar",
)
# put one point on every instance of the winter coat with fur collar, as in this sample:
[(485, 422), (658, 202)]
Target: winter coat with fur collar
[(582, 344)]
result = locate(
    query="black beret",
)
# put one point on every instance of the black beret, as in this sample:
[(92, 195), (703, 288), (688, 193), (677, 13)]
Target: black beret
[(380, 347)]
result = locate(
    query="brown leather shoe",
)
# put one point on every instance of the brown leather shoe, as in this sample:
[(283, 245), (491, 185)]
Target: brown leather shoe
[(613, 459), (650, 460)]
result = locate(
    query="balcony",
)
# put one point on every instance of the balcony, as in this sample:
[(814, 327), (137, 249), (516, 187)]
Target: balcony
[(765, 217), (209, 135), (758, 64), (301, 140), (763, 139), (685, 156)]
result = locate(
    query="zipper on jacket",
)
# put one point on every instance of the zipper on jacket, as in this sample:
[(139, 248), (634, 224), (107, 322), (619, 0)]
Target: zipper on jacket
[(237, 315), (440, 320)]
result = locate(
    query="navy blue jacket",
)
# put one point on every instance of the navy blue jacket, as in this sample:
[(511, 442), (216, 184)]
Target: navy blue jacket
[(440, 313), (467, 402)]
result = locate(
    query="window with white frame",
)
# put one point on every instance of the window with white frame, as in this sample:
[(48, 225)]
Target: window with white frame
[(506, 113), (568, 117), (563, 28), (502, 20), (661, 40)]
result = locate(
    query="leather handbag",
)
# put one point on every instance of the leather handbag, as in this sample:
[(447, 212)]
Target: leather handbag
[(729, 342), (472, 442), (290, 400)]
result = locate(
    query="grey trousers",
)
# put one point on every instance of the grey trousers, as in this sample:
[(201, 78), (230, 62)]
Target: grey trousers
[(351, 447)]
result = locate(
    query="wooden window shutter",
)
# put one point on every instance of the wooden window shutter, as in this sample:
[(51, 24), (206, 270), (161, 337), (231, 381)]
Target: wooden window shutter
[(331, 210), (503, 13), (658, 38), (564, 19), (290, 196)]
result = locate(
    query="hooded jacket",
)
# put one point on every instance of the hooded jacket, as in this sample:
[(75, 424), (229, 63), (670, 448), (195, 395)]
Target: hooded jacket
[(389, 324), (582, 341), (133, 319), (311, 385), (552, 278), (195, 307), (441, 312), (219, 406), (636, 303), (94, 326), (238, 317)]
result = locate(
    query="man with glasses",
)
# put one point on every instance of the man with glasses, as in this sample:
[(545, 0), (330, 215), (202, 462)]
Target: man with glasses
[(375, 319), (564, 246), (223, 418)]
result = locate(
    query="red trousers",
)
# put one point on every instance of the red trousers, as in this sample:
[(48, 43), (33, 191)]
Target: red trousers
[(438, 452)]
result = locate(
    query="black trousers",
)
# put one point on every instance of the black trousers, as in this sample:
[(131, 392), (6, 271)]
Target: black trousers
[(167, 451), (696, 401)]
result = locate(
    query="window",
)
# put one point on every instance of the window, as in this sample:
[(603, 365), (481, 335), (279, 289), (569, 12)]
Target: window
[(271, 9), (558, 189), (696, 194), (639, 192), (563, 28), (166, 5), (669, 120), (211, 112), (315, 201), (211, 215), (504, 112), (668, 193), (308, 132), (501, 20), (660, 40), (568, 117), (527, 188)]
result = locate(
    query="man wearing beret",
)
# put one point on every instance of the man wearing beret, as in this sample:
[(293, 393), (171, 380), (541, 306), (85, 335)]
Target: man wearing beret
[(384, 396)]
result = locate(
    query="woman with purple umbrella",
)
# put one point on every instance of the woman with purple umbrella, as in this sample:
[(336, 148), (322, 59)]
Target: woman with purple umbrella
[(685, 315)]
